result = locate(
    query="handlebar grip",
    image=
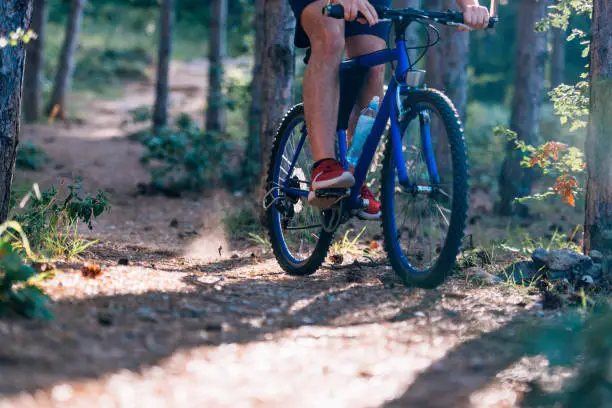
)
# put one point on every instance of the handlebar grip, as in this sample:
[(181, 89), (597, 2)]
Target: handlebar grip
[(334, 11), (458, 18), (337, 11)]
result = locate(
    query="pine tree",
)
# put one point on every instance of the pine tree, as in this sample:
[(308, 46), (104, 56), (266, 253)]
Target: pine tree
[(14, 14)]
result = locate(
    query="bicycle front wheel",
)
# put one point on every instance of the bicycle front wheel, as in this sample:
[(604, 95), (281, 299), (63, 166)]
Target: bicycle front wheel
[(423, 224)]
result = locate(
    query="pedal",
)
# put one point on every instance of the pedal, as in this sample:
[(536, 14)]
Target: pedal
[(337, 193)]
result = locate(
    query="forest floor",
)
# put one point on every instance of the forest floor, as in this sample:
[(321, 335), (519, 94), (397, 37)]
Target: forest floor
[(196, 320)]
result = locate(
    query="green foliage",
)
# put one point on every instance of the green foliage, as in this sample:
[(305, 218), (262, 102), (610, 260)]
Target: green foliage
[(103, 67), (30, 156), (17, 292), (185, 157), (119, 19), (242, 224), (141, 114), (582, 341), (526, 244), (238, 94), (571, 104), (560, 13), (347, 245), (51, 220), (558, 160), (260, 240), (484, 149), (16, 37)]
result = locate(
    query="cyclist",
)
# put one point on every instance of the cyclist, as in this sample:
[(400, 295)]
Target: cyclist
[(328, 39)]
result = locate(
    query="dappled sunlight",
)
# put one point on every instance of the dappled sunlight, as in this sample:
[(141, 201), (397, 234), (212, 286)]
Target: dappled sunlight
[(243, 331), (138, 268)]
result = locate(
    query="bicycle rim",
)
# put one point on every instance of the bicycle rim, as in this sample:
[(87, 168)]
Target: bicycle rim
[(421, 216), (297, 225)]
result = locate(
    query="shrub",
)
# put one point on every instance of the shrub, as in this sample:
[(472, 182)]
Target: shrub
[(242, 224), (18, 295), (561, 162), (30, 156), (186, 158), (51, 221), (102, 67)]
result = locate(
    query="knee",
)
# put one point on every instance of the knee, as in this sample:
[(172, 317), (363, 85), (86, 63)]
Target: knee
[(329, 44)]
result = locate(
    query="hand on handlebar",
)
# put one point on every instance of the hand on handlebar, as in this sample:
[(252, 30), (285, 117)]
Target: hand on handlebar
[(475, 17), (352, 8)]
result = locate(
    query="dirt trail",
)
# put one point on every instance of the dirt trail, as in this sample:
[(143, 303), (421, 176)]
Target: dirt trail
[(185, 326)]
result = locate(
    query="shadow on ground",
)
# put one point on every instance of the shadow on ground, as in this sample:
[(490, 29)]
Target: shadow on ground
[(105, 334)]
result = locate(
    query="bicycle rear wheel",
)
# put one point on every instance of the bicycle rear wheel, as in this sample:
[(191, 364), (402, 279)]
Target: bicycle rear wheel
[(423, 225), (298, 240)]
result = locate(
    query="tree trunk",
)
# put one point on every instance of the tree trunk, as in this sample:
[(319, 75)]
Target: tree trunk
[(447, 62), (14, 14), (514, 180), (215, 112), (277, 71), (65, 67), (34, 69), (557, 60), (251, 164), (160, 112), (598, 220)]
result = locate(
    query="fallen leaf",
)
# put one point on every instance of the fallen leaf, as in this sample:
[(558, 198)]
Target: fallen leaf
[(91, 270), (336, 259)]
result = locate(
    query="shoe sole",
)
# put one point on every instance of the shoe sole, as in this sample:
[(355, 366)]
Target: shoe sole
[(369, 217), (345, 180), (320, 202)]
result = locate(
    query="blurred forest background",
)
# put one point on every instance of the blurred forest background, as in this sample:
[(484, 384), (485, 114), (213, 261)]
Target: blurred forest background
[(146, 126), (499, 78)]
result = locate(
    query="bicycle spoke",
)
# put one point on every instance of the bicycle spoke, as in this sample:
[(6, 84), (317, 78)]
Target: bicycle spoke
[(422, 218), (298, 219)]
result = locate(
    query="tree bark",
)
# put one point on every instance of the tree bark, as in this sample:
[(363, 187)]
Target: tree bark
[(277, 71), (251, 164), (65, 67), (215, 112), (598, 219), (447, 62), (514, 180), (557, 60), (160, 112), (14, 14), (35, 63)]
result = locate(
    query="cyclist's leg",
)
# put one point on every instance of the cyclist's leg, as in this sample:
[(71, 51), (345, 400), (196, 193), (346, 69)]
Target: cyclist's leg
[(321, 78), (363, 39), (359, 45)]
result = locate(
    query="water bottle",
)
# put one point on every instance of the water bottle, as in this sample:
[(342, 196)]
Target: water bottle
[(362, 131)]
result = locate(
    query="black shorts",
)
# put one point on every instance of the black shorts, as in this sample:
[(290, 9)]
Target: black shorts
[(351, 29)]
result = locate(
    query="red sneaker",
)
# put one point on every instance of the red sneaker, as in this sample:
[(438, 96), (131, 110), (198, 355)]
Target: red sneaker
[(328, 174), (372, 208)]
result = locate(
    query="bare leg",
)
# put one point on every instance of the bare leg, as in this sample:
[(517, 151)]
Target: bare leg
[(321, 79), (360, 45)]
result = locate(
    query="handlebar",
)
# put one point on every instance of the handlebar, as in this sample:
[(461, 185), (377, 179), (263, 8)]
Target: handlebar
[(441, 17)]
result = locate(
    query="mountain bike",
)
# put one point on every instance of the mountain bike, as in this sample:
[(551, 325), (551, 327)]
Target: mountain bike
[(424, 182)]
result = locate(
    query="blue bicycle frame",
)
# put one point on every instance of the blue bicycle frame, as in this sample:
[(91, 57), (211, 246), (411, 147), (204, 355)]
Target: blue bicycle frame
[(389, 109)]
